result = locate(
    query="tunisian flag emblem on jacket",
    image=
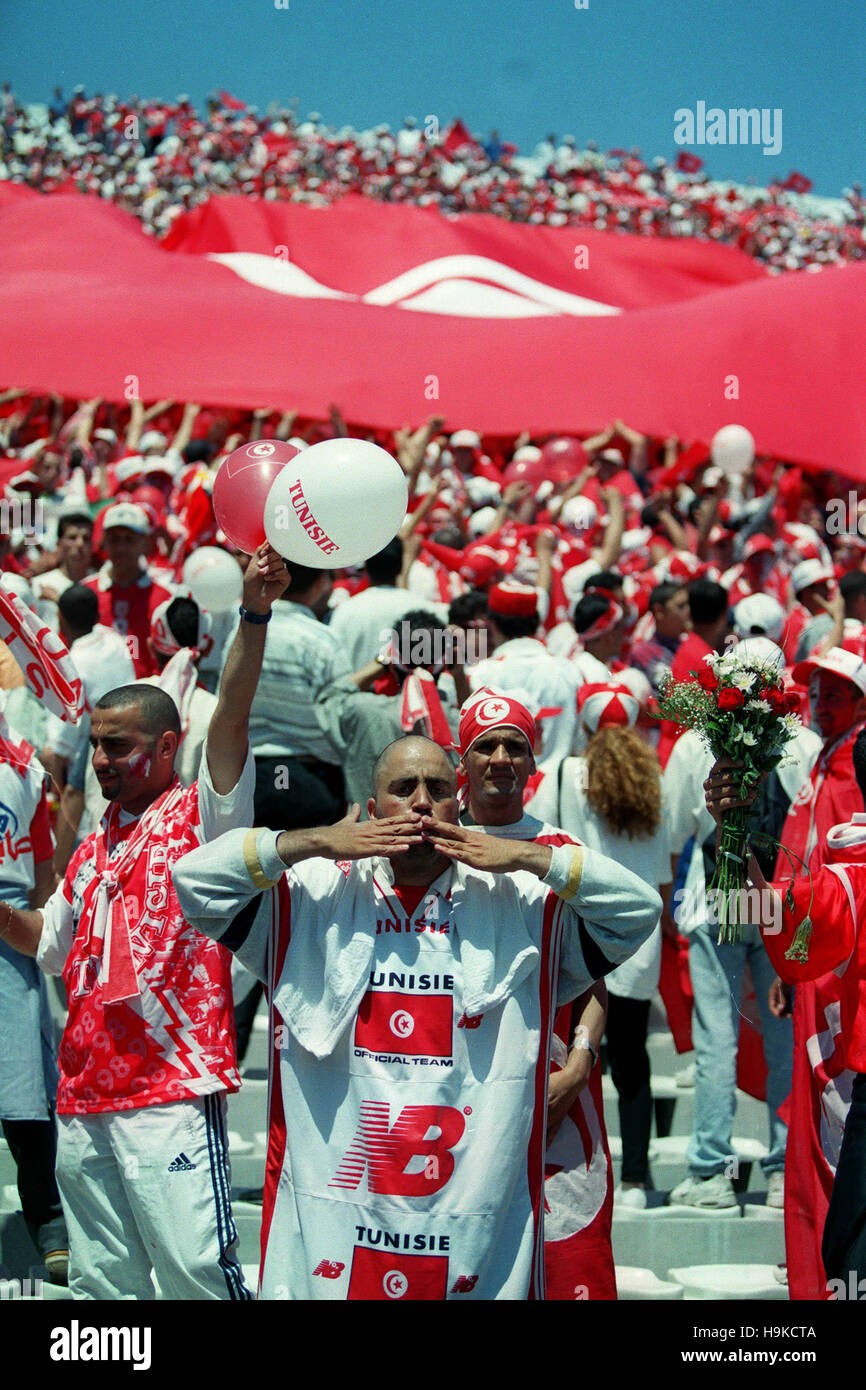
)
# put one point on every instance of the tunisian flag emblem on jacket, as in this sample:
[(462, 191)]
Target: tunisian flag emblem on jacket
[(413, 1025)]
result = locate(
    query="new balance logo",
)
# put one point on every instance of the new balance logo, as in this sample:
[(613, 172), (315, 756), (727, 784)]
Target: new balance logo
[(181, 1165)]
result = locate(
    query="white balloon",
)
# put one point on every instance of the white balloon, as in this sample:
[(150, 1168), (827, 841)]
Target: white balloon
[(214, 579), (733, 449), (337, 504)]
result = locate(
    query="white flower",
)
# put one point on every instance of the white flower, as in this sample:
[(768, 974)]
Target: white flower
[(743, 680), (757, 705), (736, 731), (749, 739)]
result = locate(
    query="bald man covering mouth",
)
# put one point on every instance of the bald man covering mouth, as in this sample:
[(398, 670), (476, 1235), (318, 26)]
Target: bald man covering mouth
[(412, 968)]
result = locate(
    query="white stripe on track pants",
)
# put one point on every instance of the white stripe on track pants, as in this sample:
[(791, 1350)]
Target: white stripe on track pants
[(149, 1189)]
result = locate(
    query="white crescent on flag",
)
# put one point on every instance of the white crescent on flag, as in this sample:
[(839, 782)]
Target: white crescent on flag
[(249, 302)]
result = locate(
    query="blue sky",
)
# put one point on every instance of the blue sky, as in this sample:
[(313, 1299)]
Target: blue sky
[(614, 72)]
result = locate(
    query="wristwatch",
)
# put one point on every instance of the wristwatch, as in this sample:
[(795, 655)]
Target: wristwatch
[(257, 618)]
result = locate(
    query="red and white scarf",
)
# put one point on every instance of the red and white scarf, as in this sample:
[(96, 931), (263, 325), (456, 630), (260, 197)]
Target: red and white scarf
[(104, 912)]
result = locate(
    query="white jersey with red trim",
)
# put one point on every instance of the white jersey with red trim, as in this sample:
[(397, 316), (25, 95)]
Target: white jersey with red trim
[(175, 1041), (578, 1175), (25, 837), (406, 1149)]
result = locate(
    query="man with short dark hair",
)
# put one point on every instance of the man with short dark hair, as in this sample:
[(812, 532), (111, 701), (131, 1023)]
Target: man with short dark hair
[(74, 556), (359, 621), (148, 1051), (412, 967), (362, 712), (669, 606), (708, 608)]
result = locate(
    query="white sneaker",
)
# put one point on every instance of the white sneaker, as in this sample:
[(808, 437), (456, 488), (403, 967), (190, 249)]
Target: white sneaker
[(776, 1189), (711, 1194), (686, 1078), (630, 1198)]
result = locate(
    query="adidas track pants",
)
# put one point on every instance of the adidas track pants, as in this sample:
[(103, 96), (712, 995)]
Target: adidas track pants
[(147, 1190)]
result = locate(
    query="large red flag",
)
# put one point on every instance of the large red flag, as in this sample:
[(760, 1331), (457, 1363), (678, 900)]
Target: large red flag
[(398, 312)]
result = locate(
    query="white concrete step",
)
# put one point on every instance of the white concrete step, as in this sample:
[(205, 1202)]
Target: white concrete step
[(641, 1285), (670, 1238), (731, 1282)]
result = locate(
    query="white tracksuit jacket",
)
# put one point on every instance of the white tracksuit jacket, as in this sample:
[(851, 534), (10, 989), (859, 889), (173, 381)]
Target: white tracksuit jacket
[(407, 1107)]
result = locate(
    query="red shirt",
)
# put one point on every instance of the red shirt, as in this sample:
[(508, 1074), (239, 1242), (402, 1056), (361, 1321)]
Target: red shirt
[(128, 610), (177, 1041), (831, 897)]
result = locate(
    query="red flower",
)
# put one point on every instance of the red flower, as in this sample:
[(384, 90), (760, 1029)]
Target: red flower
[(731, 699), (791, 703), (774, 698), (707, 679)]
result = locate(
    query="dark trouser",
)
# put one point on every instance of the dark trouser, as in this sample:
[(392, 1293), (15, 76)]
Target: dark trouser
[(844, 1245), (315, 795), (33, 1145), (627, 1022)]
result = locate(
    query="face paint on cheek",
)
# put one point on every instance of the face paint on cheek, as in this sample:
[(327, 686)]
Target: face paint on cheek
[(139, 766)]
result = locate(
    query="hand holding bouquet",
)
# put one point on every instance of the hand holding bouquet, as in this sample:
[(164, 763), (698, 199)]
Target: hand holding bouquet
[(739, 706)]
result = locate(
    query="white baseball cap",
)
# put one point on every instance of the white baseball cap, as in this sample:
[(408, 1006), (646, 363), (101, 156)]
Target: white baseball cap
[(759, 615), (127, 514), (152, 439), (465, 439), (480, 522), (579, 514), (837, 660), (809, 572)]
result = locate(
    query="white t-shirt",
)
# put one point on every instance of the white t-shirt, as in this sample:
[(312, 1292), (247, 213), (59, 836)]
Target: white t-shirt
[(638, 977), (359, 622)]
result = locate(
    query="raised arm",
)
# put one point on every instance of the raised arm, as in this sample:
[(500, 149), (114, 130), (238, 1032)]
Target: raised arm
[(264, 581)]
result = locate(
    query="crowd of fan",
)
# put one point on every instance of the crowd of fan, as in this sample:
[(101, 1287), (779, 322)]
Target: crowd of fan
[(573, 576), (157, 159)]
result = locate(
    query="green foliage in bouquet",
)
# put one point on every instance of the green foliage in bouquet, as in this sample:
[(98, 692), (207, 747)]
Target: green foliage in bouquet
[(741, 711)]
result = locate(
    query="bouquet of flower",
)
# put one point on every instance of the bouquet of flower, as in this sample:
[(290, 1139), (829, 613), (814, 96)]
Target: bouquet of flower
[(742, 711)]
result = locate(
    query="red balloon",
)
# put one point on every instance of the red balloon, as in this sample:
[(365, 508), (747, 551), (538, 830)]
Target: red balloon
[(241, 487), (148, 496), (562, 459), (525, 471)]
